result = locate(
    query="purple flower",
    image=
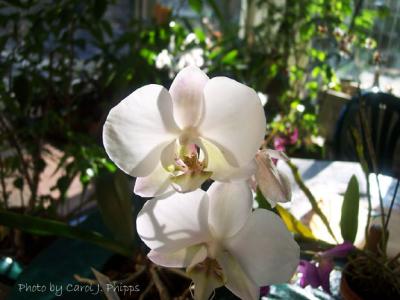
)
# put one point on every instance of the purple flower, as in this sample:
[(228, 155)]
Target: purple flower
[(264, 291), (316, 273), (283, 140), (339, 251), (309, 274), (280, 143)]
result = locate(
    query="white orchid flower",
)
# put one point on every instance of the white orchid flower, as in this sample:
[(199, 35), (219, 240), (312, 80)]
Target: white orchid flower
[(201, 128), (219, 239), (273, 184)]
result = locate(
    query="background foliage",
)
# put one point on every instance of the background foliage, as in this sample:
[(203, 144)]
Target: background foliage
[(64, 64)]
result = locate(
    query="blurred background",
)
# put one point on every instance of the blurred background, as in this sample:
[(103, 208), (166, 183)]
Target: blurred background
[(64, 64)]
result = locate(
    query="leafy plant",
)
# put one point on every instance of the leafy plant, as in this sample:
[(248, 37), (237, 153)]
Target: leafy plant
[(289, 51), (349, 216)]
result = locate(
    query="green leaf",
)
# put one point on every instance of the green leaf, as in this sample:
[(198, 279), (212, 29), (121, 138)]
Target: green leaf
[(200, 34), (229, 58), (196, 5), (149, 55), (349, 218), (214, 53), (114, 197), (315, 72), (293, 224), (39, 226)]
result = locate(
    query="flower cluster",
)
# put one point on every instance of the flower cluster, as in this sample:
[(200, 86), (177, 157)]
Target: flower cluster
[(173, 141), (317, 272)]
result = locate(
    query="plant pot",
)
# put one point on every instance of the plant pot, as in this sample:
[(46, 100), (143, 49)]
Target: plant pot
[(346, 291), (364, 279)]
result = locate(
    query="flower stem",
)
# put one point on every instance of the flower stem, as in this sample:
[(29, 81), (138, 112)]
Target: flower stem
[(314, 204), (391, 205), (369, 206), (372, 155)]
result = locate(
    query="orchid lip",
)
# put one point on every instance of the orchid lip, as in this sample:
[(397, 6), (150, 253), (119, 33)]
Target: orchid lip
[(210, 265), (188, 171), (188, 160)]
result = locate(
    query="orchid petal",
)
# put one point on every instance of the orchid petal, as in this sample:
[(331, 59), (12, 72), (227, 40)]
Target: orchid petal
[(155, 184), (309, 274), (265, 249), (138, 128), (219, 166), (174, 222), (274, 185), (237, 280), (187, 95), (229, 207), (233, 120), (325, 268), (341, 250), (186, 257)]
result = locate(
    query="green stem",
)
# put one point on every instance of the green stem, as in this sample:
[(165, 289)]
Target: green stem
[(311, 198), (391, 205), (372, 155), (369, 207)]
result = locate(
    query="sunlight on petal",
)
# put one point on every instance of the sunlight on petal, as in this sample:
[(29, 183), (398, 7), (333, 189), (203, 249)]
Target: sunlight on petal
[(187, 96), (234, 119), (138, 128), (155, 184), (269, 256), (230, 207), (220, 167), (182, 258), (174, 222)]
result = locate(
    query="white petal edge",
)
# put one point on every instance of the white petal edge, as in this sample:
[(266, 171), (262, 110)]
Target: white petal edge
[(187, 95), (183, 258), (156, 184), (230, 206), (237, 280), (175, 221), (233, 120), (138, 128), (265, 249)]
